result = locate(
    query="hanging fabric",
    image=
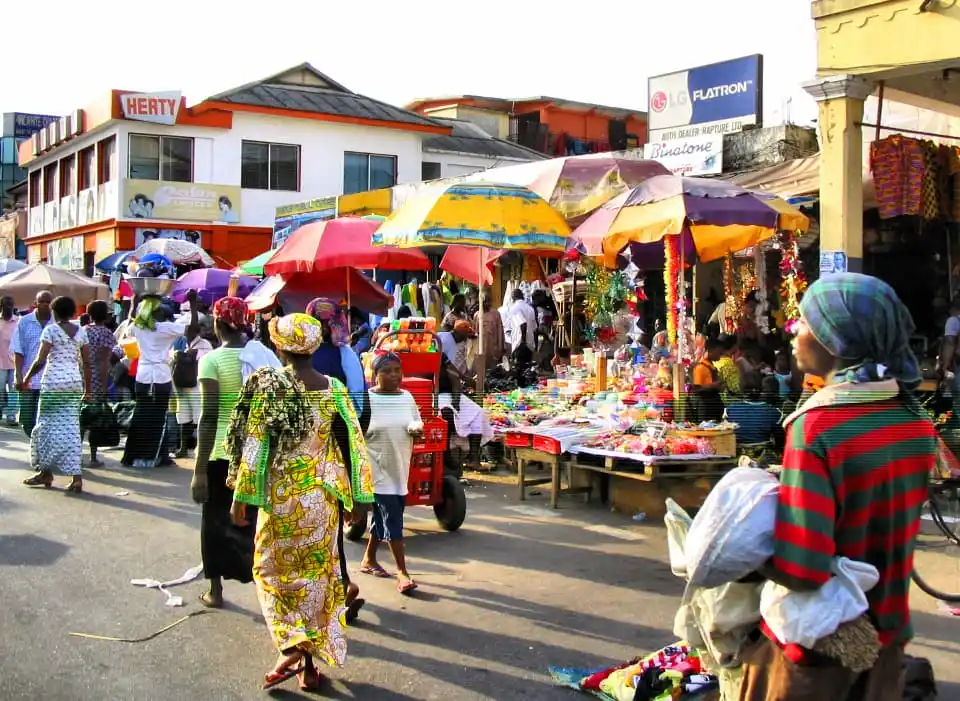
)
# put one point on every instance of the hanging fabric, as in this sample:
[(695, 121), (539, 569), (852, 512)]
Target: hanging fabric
[(898, 168)]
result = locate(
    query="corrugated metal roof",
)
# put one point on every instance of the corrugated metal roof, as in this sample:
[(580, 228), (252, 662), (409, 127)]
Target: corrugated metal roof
[(323, 101), (469, 138)]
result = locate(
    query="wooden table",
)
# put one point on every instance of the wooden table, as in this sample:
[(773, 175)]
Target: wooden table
[(527, 455)]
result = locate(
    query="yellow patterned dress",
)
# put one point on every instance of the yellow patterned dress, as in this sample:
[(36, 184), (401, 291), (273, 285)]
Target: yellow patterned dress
[(288, 463)]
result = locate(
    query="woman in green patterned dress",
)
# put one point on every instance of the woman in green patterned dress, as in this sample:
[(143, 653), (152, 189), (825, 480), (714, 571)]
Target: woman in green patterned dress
[(296, 449)]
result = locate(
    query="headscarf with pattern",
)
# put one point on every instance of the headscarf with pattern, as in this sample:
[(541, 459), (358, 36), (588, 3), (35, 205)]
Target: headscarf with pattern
[(231, 310), (333, 316), (299, 334), (860, 320)]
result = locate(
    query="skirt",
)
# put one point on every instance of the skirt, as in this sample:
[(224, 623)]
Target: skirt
[(146, 437), (55, 441), (226, 550)]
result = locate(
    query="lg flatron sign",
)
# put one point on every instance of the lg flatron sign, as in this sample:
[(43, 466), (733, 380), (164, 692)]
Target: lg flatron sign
[(154, 107)]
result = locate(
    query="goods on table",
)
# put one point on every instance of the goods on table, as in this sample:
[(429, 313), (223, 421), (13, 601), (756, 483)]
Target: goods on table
[(414, 335), (647, 444)]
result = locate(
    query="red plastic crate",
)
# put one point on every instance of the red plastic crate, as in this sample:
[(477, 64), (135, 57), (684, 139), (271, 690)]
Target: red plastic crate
[(547, 445), (516, 440), (434, 436), (425, 484), (423, 393)]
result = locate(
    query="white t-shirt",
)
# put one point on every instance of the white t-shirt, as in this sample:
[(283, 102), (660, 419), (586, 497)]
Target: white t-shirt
[(522, 313), (389, 442), (154, 367)]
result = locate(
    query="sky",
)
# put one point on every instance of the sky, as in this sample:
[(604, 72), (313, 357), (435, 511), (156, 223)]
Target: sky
[(601, 51)]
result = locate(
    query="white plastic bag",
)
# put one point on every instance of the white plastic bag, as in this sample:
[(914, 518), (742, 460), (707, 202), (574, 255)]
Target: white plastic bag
[(732, 534), (805, 617), (678, 523)]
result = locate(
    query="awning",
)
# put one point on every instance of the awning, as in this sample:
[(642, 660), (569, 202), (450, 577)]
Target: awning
[(797, 181)]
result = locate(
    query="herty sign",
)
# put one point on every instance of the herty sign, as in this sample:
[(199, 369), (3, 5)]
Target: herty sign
[(155, 107), (718, 99)]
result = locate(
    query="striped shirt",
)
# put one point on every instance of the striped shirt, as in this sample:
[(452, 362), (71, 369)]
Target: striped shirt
[(223, 367), (853, 483)]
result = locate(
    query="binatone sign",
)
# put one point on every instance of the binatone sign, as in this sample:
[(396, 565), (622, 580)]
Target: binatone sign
[(157, 107), (718, 99)]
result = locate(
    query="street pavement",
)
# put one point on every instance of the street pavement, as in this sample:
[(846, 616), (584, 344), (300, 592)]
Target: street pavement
[(519, 588)]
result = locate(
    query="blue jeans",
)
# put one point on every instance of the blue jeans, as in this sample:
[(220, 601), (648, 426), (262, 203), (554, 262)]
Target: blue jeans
[(8, 394)]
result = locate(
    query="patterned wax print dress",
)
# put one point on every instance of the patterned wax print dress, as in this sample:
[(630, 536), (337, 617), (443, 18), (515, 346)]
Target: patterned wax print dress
[(297, 484), (55, 441)]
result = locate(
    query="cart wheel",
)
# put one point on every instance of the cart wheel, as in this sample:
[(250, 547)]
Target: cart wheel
[(452, 511), (357, 531)]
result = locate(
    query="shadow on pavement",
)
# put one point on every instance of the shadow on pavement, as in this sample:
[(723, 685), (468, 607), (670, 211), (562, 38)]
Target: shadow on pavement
[(346, 690), (183, 516), (30, 551)]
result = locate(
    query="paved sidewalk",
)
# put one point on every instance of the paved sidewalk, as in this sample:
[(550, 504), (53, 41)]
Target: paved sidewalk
[(519, 588)]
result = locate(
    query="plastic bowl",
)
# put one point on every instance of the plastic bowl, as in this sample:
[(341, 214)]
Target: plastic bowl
[(150, 286), (130, 348)]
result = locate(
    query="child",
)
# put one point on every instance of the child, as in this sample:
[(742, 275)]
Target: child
[(781, 371), (394, 422), (756, 415)]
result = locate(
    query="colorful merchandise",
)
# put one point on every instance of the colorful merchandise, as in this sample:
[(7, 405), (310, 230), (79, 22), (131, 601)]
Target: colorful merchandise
[(898, 168)]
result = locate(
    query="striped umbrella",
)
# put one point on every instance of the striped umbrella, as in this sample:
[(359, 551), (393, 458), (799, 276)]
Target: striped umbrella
[(482, 215), (720, 217)]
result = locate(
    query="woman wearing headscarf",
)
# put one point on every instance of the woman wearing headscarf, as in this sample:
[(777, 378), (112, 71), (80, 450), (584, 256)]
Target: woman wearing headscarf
[(854, 479), (155, 331), (335, 358), (297, 454), (226, 550)]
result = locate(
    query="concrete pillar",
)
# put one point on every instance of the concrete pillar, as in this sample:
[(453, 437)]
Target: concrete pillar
[(840, 99)]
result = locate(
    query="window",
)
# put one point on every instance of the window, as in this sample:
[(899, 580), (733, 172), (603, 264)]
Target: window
[(269, 166), (50, 183), (8, 150), (366, 171), (107, 163), (36, 187), (167, 158), (429, 171), (68, 170), (88, 171)]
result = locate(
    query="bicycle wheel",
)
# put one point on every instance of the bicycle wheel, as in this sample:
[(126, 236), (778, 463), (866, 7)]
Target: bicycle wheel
[(947, 525), (930, 591)]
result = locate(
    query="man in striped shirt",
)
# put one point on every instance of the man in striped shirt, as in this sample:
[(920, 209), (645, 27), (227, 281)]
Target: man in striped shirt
[(854, 479)]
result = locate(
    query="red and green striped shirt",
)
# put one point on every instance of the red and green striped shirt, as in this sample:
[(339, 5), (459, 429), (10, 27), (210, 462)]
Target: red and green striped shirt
[(853, 483)]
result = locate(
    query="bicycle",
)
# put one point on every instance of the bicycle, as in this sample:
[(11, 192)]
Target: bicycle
[(948, 526)]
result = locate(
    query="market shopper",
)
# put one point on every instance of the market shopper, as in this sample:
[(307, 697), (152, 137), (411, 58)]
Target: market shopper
[(100, 343), (187, 352), (947, 366), (226, 549), (296, 452), (8, 370), (458, 312), (522, 322), (394, 423), (706, 399), (25, 345), (493, 337), (854, 479), (55, 442), (155, 333)]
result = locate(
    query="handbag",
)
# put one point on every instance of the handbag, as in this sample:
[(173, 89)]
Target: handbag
[(98, 419)]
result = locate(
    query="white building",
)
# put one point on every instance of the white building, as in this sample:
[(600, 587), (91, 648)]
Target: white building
[(137, 165)]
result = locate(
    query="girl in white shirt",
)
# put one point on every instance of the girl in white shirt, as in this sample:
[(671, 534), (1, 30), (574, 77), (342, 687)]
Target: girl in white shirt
[(394, 424)]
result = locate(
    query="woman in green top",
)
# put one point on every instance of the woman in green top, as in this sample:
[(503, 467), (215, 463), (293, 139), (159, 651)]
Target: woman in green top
[(227, 550)]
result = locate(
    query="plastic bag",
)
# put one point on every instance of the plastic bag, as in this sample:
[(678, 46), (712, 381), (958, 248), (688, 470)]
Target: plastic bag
[(678, 523), (805, 617), (732, 534)]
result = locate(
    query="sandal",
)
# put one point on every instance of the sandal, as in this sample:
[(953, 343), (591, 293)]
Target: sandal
[(75, 487), (377, 572), (308, 677), (274, 678), (210, 601), (41, 479), (407, 587)]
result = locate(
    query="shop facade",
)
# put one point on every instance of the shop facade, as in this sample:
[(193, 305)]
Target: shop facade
[(134, 166), (901, 50)]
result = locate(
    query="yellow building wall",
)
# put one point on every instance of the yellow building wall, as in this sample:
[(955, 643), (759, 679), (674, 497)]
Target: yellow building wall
[(867, 37)]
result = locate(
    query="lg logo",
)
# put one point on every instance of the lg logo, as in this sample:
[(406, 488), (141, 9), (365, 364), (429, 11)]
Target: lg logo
[(661, 100)]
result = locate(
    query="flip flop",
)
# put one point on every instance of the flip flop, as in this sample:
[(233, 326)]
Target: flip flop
[(210, 602), (377, 572), (274, 678), (353, 610), (406, 588)]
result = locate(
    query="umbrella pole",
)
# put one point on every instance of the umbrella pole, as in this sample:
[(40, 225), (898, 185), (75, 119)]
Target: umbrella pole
[(481, 360), (348, 290)]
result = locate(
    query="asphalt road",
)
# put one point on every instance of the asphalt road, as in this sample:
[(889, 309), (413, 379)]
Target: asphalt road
[(519, 588)]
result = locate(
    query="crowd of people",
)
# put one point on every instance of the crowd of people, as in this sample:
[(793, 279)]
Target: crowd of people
[(289, 443)]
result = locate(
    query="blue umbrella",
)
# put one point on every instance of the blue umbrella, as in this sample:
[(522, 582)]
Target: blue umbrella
[(112, 262)]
